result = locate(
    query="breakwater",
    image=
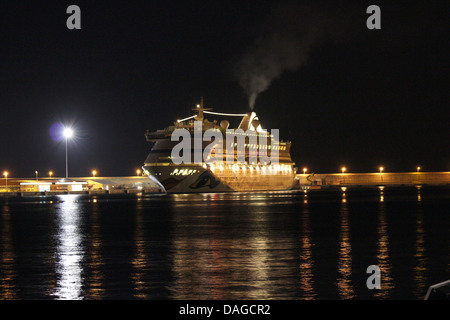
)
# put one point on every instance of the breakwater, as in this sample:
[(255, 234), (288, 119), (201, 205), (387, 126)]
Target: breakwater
[(375, 179)]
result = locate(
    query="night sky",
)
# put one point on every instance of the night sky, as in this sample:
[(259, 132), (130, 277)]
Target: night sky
[(352, 96)]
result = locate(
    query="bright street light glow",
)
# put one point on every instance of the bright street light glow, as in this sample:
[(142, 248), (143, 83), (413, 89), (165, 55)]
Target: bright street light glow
[(343, 169), (68, 133)]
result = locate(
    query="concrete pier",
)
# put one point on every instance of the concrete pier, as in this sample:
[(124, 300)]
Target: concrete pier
[(375, 179), (77, 185), (139, 184)]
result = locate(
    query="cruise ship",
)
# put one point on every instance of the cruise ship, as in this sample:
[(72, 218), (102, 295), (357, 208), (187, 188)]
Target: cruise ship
[(253, 160)]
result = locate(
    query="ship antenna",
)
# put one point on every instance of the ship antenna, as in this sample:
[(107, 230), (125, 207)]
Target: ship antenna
[(200, 110)]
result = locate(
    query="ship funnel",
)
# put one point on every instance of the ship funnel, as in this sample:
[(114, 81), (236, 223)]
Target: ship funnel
[(246, 121)]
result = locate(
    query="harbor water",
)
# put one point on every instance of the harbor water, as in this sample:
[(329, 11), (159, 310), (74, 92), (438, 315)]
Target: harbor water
[(295, 245)]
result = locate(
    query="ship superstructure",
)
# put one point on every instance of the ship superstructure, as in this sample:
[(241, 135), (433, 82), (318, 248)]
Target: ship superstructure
[(246, 162)]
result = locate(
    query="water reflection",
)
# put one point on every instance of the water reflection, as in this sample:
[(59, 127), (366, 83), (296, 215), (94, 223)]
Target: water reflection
[(225, 250), (304, 245), (420, 266), (381, 193), (306, 258), (384, 263), (7, 267), (69, 250), (345, 287), (140, 259), (95, 280)]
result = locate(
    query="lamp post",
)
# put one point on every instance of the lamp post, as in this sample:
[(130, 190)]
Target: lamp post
[(94, 173), (67, 134), (50, 173), (418, 169), (381, 171), (36, 175), (138, 172), (6, 177), (343, 171), (304, 170)]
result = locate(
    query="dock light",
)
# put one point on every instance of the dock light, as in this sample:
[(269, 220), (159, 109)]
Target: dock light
[(304, 170), (418, 169), (50, 173), (138, 172), (94, 173), (343, 169), (381, 169), (68, 133), (36, 175), (6, 177)]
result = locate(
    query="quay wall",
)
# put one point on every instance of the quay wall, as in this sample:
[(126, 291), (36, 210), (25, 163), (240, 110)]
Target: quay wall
[(375, 179)]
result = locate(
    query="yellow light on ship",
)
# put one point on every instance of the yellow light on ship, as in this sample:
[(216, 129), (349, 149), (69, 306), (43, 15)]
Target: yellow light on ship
[(138, 172), (304, 170)]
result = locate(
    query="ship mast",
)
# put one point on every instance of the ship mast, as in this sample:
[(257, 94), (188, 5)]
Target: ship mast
[(200, 110)]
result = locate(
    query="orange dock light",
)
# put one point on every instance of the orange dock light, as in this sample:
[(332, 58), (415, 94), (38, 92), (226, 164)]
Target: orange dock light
[(138, 172), (343, 169), (6, 177), (94, 173), (418, 169), (381, 169), (304, 170)]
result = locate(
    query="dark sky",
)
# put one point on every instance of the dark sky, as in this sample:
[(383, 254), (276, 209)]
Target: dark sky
[(358, 97)]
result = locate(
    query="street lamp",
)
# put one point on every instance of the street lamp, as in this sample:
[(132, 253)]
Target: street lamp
[(343, 169), (304, 170), (6, 177), (68, 133), (36, 175), (50, 173), (138, 172), (381, 169), (418, 169), (94, 173)]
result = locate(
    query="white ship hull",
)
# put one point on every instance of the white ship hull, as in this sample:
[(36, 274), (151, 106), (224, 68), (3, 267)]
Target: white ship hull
[(197, 179)]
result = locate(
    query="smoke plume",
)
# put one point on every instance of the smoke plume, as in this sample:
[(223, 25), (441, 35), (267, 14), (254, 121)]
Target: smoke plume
[(285, 45)]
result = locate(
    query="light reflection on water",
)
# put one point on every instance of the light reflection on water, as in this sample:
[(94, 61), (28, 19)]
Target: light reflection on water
[(69, 249), (281, 245)]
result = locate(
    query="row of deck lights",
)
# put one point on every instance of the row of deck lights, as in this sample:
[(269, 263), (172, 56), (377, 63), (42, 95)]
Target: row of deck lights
[(235, 167)]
